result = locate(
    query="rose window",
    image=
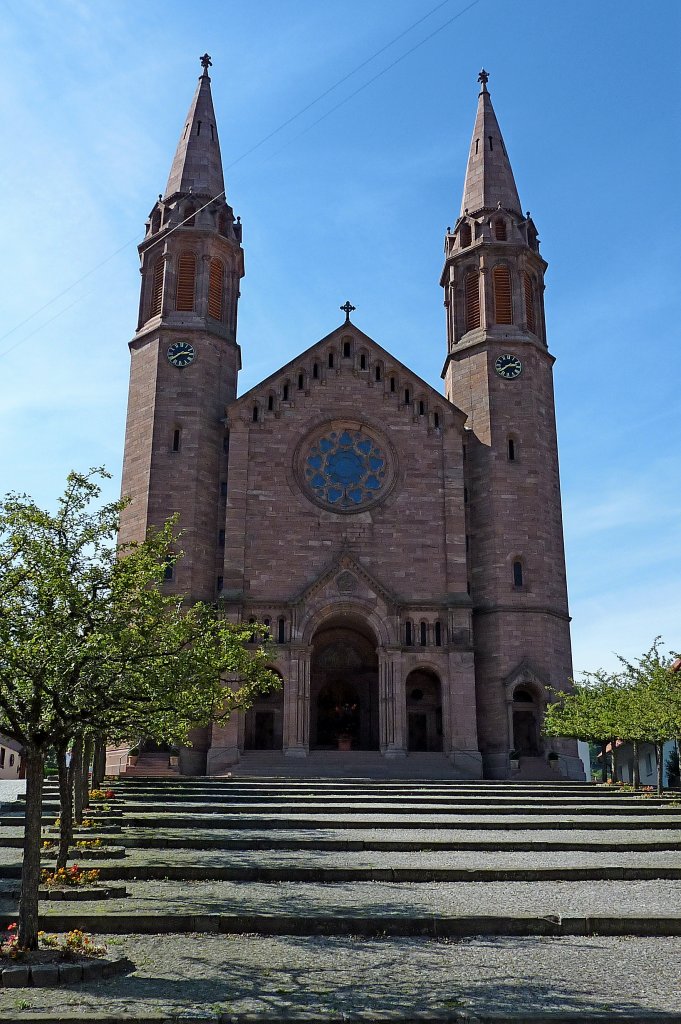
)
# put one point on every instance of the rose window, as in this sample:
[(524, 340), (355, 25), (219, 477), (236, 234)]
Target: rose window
[(345, 469)]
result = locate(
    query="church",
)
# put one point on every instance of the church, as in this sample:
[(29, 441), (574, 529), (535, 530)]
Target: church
[(403, 546)]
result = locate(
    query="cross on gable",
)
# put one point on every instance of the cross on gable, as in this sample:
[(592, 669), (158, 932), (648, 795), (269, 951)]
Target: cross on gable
[(348, 308)]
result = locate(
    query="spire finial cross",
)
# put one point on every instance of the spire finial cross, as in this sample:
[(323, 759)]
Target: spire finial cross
[(206, 63), (483, 78), (348, 308)]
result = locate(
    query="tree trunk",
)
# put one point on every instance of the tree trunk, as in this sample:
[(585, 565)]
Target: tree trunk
[(659, 757), (30, 871), (88, 749), (635, 768), (65, 807), (613, 751), (99, 763), (77, 762)]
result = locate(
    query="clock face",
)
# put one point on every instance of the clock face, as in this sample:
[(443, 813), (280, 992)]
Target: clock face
[(508, 366), (181, 353)]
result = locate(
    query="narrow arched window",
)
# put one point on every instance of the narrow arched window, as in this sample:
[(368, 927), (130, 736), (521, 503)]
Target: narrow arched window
[(529, 302), (216, 278), (517, 574), (377, 371), (315, 371), (436, 420), (255, 414), (500, 230), (156, 304), (423, 634), (155, 221), (438, 634), (465, 236), (362, 362), (346, 350), (422, 408), (472, 293), (511, 449), (284, 394), (270, 403), (281, 631), (331, 360), (186, 279), (267, 622), (503, 307), (177, 439), (301, 381), (408, 634), (407, 396), (392, 385)]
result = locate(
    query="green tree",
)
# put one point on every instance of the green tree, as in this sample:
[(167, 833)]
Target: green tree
[(90, 641)]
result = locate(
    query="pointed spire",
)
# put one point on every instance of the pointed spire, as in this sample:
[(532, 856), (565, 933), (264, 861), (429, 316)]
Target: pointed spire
[(489, 179), (197, 166)]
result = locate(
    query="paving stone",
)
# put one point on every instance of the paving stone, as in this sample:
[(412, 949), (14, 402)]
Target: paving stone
[(44, 975), (15, 977)]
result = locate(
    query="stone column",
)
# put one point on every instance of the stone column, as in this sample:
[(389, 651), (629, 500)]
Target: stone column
[(459, 716), (297, 702), (391, 703)]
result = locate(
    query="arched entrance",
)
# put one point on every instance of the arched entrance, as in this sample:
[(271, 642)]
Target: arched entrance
[(344, 687), (424, 711), (525, 723), (264, 721)]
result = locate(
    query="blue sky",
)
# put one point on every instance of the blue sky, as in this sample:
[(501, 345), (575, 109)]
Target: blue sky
[(92, 100)]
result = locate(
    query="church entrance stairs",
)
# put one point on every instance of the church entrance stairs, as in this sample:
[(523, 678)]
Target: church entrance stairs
[(295, 868)]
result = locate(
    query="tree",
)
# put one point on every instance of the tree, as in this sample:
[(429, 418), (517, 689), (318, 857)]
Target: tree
[(640, 703), (89, 641)]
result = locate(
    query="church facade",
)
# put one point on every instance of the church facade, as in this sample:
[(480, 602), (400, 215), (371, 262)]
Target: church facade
[(403, 546)]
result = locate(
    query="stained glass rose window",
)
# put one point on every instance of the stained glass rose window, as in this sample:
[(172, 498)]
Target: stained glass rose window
[(345, 469)]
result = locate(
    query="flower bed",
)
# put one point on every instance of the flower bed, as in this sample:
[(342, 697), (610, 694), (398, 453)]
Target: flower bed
[(73, 958)]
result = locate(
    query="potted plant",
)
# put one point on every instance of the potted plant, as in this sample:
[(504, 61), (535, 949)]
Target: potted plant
[(554, 761), (514, 759), (133, 754), (174, 758)]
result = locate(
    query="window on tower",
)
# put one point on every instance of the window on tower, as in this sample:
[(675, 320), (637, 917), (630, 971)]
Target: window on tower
[(177, 439), (189, 218), (465, 236), (529, 302), (500, 229), (511, 449), (472, 296), (216, 277), (156, 304), (186, 280), (503, 306)]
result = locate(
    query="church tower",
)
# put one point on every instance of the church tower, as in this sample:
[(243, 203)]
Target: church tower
[(498, 370), (184, 356)]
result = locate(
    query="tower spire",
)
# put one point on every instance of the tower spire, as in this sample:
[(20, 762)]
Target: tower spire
[(489, 181), (197, 166)]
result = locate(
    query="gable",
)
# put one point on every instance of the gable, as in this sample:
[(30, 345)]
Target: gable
[(344, 352)]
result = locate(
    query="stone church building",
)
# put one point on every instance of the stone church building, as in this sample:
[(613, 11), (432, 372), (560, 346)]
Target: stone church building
[(403, 546)]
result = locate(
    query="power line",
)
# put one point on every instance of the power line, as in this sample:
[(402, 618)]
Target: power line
[(252, 149)]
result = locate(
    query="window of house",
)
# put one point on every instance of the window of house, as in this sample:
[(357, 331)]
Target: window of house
[(11, 760), (517, 574), (2, 757)]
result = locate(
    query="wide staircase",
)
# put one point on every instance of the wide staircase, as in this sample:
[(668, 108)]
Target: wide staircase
[(316, 899)]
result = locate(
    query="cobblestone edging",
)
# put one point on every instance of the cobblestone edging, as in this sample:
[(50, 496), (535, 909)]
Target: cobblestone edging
[(84, 893), (52, 975), (441, 926)]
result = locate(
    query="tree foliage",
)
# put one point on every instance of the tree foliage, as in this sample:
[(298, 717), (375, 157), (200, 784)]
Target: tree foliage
[(90, 641)]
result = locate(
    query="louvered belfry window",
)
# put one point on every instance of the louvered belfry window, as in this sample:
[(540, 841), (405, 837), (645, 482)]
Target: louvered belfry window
[(157, 289), (216, 279), (529, 303), (472, 290), (500, 230), (186, 277), (503, 307)]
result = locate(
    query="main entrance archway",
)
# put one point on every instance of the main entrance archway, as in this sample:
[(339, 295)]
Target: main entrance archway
[(344, 687)]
